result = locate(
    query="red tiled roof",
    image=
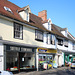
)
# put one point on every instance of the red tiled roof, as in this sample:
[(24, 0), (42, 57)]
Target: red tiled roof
[(13, 8), (21, 9)]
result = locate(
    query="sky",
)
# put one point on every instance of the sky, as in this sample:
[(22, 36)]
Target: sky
[(61, 12)]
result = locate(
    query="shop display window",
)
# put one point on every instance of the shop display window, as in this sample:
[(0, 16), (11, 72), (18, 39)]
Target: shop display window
[(16, 61), (11, 61), (47, 59)]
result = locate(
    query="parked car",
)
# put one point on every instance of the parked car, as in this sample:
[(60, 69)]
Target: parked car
[(5, 73), (73, 64)]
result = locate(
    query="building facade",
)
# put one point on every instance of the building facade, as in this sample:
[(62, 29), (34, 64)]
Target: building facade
[(27, 40)]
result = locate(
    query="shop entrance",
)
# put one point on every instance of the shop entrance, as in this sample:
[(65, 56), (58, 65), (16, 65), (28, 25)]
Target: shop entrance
[(27, 61)]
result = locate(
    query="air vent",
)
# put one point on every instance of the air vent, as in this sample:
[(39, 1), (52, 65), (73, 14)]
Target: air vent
[(8, 9)]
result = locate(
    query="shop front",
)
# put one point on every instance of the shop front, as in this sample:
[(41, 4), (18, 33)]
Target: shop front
[(68, 58), (45, 58), (18, 58)]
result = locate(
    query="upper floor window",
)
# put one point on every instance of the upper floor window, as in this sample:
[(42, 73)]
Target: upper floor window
[(52, 39), (73, 46), (38, 35), (60, 41), (66, 43), (18, 31), (48, 38)]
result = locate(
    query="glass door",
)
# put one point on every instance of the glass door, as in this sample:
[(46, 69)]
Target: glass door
[(27, 61)]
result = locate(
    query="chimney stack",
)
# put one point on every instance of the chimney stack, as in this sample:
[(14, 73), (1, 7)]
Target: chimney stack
[(43, 14)]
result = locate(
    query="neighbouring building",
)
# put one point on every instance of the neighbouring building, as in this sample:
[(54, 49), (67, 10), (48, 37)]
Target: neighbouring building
[(27, 40)]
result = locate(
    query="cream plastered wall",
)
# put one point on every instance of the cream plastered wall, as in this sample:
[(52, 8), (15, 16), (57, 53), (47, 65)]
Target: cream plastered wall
[(7, 33)]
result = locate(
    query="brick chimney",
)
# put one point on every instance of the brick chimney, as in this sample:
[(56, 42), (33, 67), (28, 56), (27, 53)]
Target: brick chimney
[(43, 14)]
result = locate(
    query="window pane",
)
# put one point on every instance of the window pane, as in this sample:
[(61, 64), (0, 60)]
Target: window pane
[(52, 39)]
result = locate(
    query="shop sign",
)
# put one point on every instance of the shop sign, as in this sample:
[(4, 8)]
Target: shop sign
[(14, 48), (26, 49), (42, 50)]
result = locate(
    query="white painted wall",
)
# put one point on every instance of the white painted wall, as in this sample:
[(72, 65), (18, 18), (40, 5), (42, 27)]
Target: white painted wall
[(70, 46), (1, 57), (7, 29), (37, 62)]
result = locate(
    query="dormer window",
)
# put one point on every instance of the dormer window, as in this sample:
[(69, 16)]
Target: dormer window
[(24, 13), (8, 9)]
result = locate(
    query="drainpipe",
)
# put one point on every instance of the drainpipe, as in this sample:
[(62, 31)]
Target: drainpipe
[(37, 62)]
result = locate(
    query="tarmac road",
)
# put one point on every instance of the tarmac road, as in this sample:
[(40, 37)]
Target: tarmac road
[(59, 71)]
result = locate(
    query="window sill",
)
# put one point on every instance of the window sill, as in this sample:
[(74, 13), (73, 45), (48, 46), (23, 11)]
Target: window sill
[(18, 38), (52, 44), (65, 46), (39, 40), (60, 44)]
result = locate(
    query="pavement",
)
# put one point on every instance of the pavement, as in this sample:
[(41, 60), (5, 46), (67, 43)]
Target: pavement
[(58, 71)]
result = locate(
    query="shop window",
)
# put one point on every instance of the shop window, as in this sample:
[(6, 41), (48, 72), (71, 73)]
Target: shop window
[(38, 35), (48, 38), (52, 39), (18, 31), (11, 61), (66, 43), (60, 41)]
